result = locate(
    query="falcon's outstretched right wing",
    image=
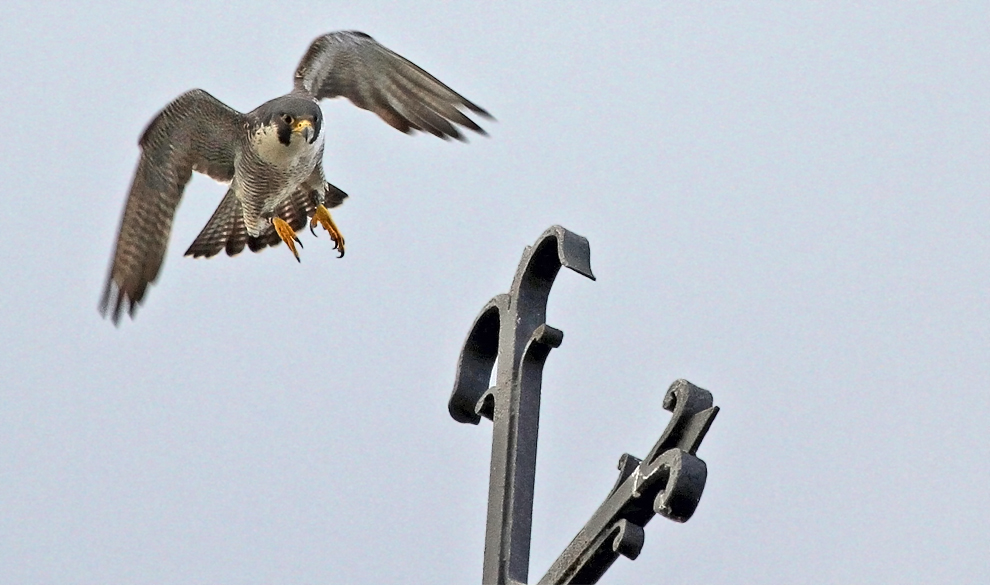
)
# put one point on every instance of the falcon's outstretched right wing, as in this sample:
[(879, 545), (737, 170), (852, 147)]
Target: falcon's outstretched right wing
[(196, 132)]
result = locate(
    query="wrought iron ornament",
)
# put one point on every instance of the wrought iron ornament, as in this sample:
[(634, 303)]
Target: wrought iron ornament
[(512, 329)]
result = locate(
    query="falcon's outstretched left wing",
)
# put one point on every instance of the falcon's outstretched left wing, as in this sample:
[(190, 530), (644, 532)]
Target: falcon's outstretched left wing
[(353, 65)]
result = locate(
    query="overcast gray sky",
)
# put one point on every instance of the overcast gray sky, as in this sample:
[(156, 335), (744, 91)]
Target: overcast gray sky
[(787, 205)]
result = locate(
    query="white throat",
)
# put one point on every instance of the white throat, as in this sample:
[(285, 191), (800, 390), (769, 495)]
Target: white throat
[(272, 151)]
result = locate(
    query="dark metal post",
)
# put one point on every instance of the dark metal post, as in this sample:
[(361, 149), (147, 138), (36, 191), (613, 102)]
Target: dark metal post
[(511, 329)]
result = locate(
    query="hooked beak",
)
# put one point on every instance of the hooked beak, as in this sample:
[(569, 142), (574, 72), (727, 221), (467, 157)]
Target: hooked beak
[(305, 127)]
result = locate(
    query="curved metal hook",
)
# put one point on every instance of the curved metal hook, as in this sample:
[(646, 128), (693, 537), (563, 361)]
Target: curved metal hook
[(474, 367)]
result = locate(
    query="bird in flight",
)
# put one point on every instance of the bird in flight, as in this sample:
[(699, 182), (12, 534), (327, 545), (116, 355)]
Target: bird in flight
[(272, 158)]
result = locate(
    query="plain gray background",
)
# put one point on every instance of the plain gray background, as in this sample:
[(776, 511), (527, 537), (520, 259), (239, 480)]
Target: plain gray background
[(787, 204)]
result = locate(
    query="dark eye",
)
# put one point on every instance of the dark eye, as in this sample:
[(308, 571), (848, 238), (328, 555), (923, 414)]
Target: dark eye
[(287, 119)]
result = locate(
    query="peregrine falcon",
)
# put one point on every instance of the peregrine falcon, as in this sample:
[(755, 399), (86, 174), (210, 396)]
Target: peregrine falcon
[(272, 158)]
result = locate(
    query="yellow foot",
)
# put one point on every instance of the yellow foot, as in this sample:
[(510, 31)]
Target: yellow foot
[(288, 235), (322, 216)]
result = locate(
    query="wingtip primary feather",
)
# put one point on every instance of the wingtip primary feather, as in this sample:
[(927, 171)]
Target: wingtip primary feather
[(114, 302)]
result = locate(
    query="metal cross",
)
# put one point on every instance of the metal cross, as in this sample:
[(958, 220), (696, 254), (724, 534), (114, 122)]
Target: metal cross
[(511, 330)]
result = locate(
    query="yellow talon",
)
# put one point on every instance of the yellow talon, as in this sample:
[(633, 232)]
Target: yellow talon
[(288, 235), (322, 216)]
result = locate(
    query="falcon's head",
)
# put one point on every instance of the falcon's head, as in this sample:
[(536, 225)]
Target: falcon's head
[(292, 117)]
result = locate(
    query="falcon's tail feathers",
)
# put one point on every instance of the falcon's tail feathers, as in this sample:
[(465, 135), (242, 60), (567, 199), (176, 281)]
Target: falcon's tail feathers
[(225, 230)]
